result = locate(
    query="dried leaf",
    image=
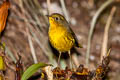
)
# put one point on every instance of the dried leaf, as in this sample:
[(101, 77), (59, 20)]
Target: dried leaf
[(3, 14), (81, 73), (2, 65)]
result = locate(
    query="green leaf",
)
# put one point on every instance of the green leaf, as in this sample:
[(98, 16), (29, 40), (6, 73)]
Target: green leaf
[(32, 69)]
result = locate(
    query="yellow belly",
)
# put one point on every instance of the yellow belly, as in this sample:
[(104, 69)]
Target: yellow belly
[(61, 40)]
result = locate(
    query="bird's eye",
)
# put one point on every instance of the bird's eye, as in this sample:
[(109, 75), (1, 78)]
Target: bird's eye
[(56, 18)]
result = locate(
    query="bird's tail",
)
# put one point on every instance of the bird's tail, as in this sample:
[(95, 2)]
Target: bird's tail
[(80, 46)]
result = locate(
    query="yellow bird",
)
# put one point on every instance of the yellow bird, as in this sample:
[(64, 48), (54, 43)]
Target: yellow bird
[(61, 36)]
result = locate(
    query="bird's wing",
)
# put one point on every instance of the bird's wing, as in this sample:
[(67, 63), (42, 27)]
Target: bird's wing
[(73, 34)]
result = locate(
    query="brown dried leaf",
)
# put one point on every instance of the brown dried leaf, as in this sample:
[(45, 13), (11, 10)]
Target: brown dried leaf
[(19, 69)]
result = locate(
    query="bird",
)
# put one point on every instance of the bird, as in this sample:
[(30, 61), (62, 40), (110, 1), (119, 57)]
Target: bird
[(61, 36)]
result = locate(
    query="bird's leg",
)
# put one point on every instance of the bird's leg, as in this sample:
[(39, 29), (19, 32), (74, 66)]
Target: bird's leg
[(71, 65), (59, 58)]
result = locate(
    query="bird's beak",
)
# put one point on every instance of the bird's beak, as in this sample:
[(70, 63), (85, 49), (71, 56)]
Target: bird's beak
[(48, 16)]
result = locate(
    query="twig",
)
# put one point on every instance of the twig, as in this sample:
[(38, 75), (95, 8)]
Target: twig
[(40, 11), (33, 12), (105, 37), (64, 10), (21, 19), (10, 54), (31, 46), (75, 60), (92, 26), (29, 37), (40, 39), (48, 4)]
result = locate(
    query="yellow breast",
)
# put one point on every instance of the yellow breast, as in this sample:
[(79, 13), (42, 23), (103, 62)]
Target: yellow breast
[(61, 39)]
